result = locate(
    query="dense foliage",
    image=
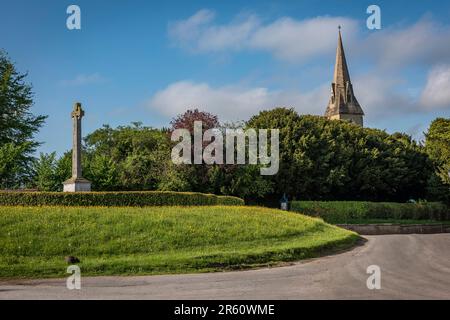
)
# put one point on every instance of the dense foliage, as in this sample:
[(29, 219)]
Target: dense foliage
[(137, 158), (117, 199), (127, 158), (17, 126), (231, 179), (437, 145), (323, 159), (347, 211), (319, 160)]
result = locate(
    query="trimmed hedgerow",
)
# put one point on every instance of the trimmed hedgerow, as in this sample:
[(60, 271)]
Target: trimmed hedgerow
[(116, 199), (345, 211)]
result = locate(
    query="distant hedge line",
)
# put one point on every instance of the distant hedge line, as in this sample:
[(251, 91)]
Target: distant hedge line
[(120, 199), (344, 211)]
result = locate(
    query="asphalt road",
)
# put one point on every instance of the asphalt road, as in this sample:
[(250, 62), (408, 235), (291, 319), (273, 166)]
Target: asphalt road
[(412, 267)]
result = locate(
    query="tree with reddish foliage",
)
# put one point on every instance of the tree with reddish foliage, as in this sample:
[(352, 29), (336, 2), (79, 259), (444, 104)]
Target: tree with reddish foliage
[(240, 180), (186, 120), (196, 176)]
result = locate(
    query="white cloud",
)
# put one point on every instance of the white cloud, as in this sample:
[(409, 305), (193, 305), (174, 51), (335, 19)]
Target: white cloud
[(84, 79), (378, 95), (197, 34), (382, 93), (294, 40), (286, 38), (233, 36), (376, 92), (436, 93), (188, 30), (424, 42), (233, 103)]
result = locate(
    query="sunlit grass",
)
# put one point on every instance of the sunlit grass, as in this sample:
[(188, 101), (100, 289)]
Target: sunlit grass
[(34, 240)]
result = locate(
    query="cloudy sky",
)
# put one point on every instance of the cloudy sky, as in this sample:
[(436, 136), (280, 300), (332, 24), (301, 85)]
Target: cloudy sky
[(149, 61)]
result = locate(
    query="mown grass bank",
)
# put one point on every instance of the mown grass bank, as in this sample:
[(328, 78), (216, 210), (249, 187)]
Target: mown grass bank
[(155, 240)]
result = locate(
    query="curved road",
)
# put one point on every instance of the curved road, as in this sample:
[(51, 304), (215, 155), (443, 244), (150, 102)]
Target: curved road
[(412, 267)]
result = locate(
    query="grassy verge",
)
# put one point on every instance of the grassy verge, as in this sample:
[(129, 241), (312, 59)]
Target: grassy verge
[(156, 240)]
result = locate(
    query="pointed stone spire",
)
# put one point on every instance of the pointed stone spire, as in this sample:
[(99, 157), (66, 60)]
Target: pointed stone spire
[(341, 75), (343, 104)]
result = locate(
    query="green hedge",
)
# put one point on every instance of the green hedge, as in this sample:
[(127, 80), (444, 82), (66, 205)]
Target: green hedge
[(120, 199), (345, 211)]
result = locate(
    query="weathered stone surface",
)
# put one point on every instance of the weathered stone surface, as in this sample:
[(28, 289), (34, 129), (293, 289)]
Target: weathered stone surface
[(76, 183), (343, 104)]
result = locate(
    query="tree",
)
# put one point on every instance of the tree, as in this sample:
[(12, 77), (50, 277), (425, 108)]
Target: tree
[(17, 125), (283, 119), (45, 178), (437, 145), (49, 173), (239, 180), (102, 171), (187, 119), (244, 181), (197, 175), (175, 179), (325, 159), (63, 169), (126, 158), (13, 165)]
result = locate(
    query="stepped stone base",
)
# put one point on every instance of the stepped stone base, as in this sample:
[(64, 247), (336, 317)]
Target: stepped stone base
[(77, 185)]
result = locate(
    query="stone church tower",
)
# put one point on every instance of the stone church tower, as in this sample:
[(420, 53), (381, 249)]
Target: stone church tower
[(343, 104)]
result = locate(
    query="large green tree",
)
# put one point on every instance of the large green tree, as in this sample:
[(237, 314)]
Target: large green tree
[(17, 126), (323, 159), (437, 145), (126, 158)]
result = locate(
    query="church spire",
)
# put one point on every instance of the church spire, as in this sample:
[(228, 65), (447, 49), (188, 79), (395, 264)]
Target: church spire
[(341, 75), (343, 104)]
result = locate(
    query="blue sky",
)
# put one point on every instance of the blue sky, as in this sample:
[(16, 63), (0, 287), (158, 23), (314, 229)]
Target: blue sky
[(149, 61)]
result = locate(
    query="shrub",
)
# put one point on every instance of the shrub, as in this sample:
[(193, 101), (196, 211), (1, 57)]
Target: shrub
[(344, 211), (120, 199)]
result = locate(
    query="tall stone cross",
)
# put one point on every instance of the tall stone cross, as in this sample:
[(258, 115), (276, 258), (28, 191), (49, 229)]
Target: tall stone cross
[(77, 182)]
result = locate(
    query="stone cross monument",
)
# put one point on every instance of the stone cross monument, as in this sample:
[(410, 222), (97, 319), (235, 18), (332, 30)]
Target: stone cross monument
[(77, 182)]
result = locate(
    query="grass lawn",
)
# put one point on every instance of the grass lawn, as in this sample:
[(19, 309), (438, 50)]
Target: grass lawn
[(156, 240)]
